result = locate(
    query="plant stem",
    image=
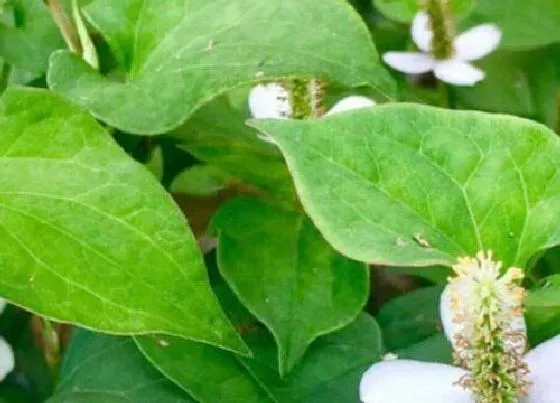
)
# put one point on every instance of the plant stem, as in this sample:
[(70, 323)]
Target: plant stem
[(51, 345), (67, 28), (441, 23)]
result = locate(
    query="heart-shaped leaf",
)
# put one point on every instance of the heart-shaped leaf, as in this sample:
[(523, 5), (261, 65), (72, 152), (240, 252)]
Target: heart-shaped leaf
[(287, 275), (413, 185), (180, 54), (88, 236)]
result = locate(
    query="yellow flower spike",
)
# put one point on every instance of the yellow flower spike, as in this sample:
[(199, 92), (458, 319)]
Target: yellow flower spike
[(484, 304)]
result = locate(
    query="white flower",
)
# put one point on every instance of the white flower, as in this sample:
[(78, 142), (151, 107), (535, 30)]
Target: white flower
[(544, 364), (273, 101), (406, 381), (478, 306), (7, 360), (480, 279), (270, 100), (471, 45)]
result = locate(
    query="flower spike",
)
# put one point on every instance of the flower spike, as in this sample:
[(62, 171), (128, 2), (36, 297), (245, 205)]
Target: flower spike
[(489, 343)]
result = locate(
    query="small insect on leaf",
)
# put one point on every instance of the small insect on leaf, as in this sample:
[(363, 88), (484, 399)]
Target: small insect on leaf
[(420, 240)]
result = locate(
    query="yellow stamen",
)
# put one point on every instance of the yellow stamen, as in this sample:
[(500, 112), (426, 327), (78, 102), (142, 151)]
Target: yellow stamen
[(486, 304)]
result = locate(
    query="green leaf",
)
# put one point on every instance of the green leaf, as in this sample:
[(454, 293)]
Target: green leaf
[(330, 371), (517, 83), (410, 318), (548, 263), (88, 236), (103, 368), (412, 185), (10, 394), (28, 43), (405, 10), (280, 267), (181, 54), (201, 180), (524, 24), (543, 310), (435, 348), (228, 144), (208, 374), (156, 163), (548, 295)]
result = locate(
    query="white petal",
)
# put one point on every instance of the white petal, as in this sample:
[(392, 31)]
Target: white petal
[(409, 62), (349, 103), (3, 304), (405, 381), (446, 315), (450, 328), (269, 101), (7, 361), (477, 42), (421, 31), (457, 72), (544, 367)]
